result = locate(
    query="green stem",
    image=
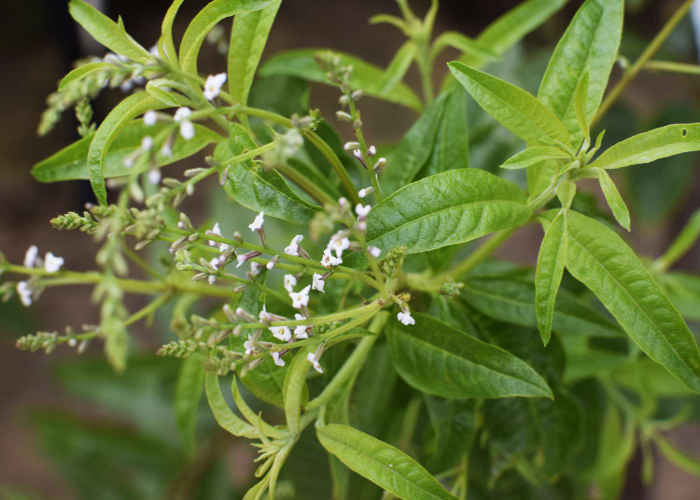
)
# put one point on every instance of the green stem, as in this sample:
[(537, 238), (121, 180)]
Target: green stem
[(317, 320), (363, 146), (672, 67), (300, 180), (352, 366), (648, 53)]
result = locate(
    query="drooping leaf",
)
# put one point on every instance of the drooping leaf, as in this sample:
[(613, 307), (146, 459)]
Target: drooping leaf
[(257, 187), (381, 463), (444, 209), (116, 120), (248, 38), (106, 31), (649, 146), (188, 392), (615, 201), (223, 413), (514, 108), (469, 47), (70, 163), (550, 270), (204, 21), (534, 155), (368, 77), (590, 43), (81, 72), (679, 458), (602, 261), (252, 417), (440, 360), (683, 242), (398, 67), (163, 96), (513, 300), (294, 385), (454, 425)]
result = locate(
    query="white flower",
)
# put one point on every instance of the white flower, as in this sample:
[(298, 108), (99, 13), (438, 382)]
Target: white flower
[(300, 330), (212, 87), (311, 358), (362, 211), (242, 259), (258, 222), (166, 151), (154, 176), (318, 283), (278, 359), (293, 247), (343, 202), (150, 118), (271, 265), (300, 299), (25, 294), (351, 145), (215, 264), (147, 143), (182, 114), (30, 256), (379, 164), (52, 263), (289, 282), (154, 51), (216, 230), (254, 268), (328, 260), (371, 151), (249, 346), (358, 154), (374, 251), (211, 280), (281, 332), (187, 130), (365, 191), (264, 316), (405, 318), (339, 244)]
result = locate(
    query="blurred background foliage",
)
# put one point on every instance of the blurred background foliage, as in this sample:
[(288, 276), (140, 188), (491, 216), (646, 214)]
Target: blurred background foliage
[(71, 428)]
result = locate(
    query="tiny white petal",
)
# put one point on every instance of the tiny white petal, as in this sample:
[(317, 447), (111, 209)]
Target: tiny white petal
[(374, 251), (318, 283), (289, 282), (25, 295), (258, 222), (278, 359), (147, 143), (52, 263), (182, 113), (216, 230), (187, 130), (30, 256), (154, 176), (406, 318), (362, 211), (254, 268), (150, 118)]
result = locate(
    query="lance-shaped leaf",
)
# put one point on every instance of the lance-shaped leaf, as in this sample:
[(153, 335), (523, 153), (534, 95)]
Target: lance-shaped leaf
[(515, 109), (251, 416), (259, 188), (445, 209), (188, 392), (381, 463), (82, 72), (398, 67), (644, 148), (106, 31), (223, 413), (550, 270), (532, 156), (248, 38), (166, 44), (677, 457), (440, 360), (615, 201), (580, 108), (683, 242), (294, 385), (590, 43), (204, 21), (602, 261), (116, 120), (513, 300), (368, 77), (454, 424), (164, 96), (469, 47), (70, 163)]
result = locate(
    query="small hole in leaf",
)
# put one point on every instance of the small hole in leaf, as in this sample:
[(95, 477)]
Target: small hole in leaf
[(684, 132)]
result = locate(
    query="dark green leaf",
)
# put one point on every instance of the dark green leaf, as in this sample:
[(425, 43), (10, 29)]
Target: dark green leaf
[(534, 155), (454, 428), (615, 201), (223, 413), (550, 269), (188, 392)]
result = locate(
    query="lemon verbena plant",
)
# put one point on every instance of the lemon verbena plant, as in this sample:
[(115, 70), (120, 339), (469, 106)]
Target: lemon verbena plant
[(425, 367)]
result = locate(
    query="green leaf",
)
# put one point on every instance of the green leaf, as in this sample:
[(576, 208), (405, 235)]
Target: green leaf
[(615, 201), (566, 193), (82, 72), (116, 344), (532, 156), (222, 412), (106, 31), (680, 459), (550, 270), (384, 465), (251, 416), (166, 44), (515, 109), (257, 187), (684, 291), (469, 47), (580, 104), (454, 425), (248, 38), (683, 242), (590, 43), (602, 261), (204, 21), (188, 392), (162, 95), (294, 385), (116, 120), (365, 76), (70, 163), (513, 301), (645, 148), (437, 359), (445, 209), (398, 67)]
